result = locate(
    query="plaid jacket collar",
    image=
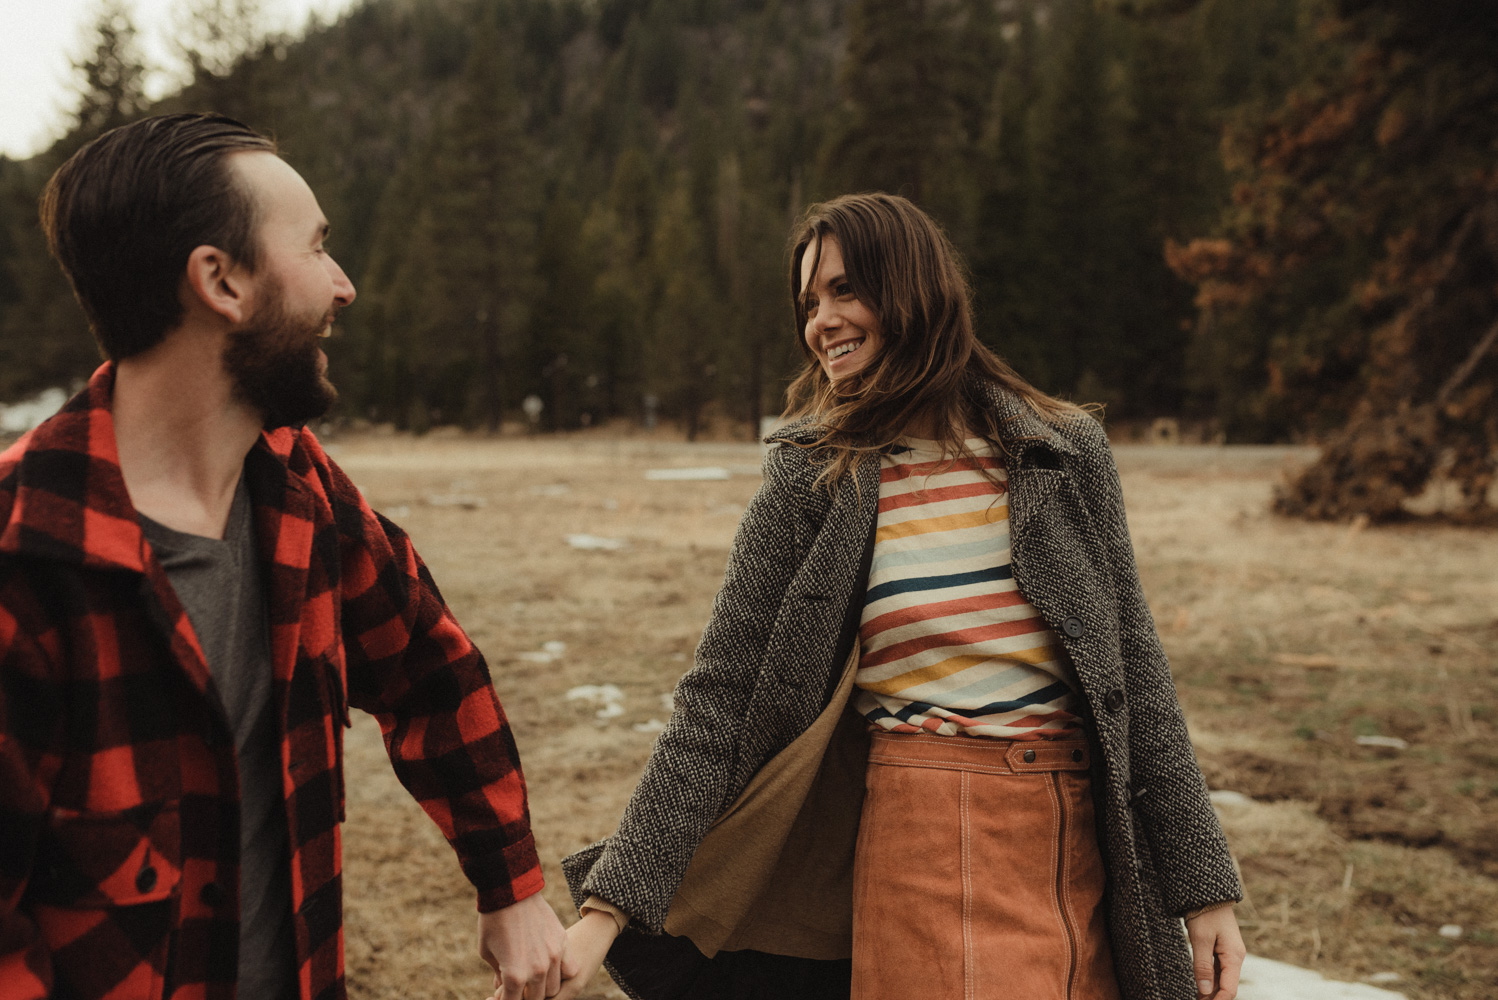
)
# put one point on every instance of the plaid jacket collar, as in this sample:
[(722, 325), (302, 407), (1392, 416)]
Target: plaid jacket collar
[(67, 496), (68, 503)]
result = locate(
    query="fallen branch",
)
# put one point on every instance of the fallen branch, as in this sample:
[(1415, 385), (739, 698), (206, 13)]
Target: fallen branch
[(1467, 367)]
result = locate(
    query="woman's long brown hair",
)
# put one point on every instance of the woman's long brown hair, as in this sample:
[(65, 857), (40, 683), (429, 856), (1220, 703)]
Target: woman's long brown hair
[(902, 266)]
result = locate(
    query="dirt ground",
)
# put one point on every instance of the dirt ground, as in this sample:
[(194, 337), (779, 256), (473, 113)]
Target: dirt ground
[(1289, 641)]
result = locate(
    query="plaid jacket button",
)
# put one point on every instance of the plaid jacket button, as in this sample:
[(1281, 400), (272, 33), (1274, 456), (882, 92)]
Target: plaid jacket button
[(145, 879), (213, 895)]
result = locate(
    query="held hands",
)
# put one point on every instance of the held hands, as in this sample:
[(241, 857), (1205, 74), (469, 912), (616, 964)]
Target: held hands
[(1217, 953), (527, 948), (588, 942)]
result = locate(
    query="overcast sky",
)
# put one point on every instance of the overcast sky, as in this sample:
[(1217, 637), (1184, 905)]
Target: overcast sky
[(40, 38)]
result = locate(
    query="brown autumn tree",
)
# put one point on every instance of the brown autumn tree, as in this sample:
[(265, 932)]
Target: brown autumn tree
[(1352, 286)]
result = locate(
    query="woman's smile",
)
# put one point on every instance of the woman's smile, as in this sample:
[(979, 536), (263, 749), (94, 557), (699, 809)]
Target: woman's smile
[(841, 330)]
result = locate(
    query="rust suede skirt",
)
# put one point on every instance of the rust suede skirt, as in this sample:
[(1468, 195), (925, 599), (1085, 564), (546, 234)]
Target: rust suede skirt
[(977, 874)]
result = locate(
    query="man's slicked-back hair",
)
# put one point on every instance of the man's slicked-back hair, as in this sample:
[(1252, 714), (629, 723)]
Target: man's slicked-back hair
[(125, 212)]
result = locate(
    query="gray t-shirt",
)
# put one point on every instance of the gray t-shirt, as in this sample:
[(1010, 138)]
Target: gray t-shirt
[(219, 583)]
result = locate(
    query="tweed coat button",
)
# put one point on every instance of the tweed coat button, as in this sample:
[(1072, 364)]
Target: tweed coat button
[(145, 879), (1072, 627), (213, 895), (1114, 699)]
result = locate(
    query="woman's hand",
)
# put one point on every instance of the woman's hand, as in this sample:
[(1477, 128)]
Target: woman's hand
[(588, 941), (1217, 952)]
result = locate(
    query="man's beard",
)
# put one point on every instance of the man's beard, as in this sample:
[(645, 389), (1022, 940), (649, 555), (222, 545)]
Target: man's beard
[(273, 363)]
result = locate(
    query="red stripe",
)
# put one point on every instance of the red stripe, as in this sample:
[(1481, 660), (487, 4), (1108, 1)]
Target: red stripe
[(895, 473), (959, 492), (961, 637), (939, 609)]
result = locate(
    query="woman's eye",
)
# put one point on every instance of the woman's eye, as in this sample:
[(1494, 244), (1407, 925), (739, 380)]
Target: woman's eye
[(844, 289)]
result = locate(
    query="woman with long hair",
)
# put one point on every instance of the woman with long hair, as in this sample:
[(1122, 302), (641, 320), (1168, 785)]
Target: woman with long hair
[(930, 746)]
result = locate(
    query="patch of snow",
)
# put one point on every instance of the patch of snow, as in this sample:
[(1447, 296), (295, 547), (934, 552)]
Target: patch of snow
[(595, 543), (649, 726), (1223, 797), (1392, 742), (18, 418), (1266, 979), (1452, 931), (702, 474), (606, 695)]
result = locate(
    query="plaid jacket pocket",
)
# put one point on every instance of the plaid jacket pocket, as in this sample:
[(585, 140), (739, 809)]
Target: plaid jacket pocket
[(104, 895)]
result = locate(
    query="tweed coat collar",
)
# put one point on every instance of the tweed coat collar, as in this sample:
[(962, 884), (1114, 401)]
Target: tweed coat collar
[(1021, 428)]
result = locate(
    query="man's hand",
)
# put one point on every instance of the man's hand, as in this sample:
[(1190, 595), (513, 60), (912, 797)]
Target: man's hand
[(588, 942), (526, 946), (1217, 953)]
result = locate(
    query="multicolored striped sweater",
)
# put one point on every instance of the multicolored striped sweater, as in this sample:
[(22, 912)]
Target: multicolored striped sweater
[(950, 645)]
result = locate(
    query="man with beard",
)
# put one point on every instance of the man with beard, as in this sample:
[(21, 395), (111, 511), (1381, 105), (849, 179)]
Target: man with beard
[(192, 594)]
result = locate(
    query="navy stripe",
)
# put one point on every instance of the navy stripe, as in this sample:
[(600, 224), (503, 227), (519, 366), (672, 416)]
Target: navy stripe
[(911, 709), (937, 582), (1048, 693)]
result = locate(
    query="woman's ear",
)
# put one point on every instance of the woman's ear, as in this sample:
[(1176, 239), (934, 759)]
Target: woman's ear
[(214, 282)]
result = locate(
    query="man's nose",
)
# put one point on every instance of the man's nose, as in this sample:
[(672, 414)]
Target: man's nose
[(343, 289)]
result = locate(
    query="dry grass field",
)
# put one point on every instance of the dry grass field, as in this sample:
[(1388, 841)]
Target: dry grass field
[(1288, 640)]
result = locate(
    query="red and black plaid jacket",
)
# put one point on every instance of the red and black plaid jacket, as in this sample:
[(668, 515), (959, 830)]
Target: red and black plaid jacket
[(119, 798)]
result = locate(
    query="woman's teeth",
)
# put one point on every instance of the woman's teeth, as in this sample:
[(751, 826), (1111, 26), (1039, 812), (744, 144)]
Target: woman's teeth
[(841, 349)]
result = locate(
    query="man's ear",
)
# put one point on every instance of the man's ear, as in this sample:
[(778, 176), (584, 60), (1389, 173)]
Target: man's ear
[(213, 281)]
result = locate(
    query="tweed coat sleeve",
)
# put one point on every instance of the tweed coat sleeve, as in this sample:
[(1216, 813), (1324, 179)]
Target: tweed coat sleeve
[(411, 666), (30, 730), (1170, 796), (687, 782)]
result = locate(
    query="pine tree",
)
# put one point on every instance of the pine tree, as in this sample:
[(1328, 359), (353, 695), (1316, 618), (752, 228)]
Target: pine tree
[(1168, 185), (682, 342), (1003, 256), (901, 112), (1076, 233), (111, 77)]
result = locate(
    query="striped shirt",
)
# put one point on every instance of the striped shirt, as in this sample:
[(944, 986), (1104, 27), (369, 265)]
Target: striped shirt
[(950, 645)]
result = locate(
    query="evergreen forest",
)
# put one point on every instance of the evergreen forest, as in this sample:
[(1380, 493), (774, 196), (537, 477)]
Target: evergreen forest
[(1275, 219)]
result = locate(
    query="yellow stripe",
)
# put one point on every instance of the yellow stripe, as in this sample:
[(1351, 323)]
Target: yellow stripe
[(952, 522), (953, 665)]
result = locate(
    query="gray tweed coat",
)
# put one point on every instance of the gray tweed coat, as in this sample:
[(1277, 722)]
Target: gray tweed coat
[(761, 672)]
